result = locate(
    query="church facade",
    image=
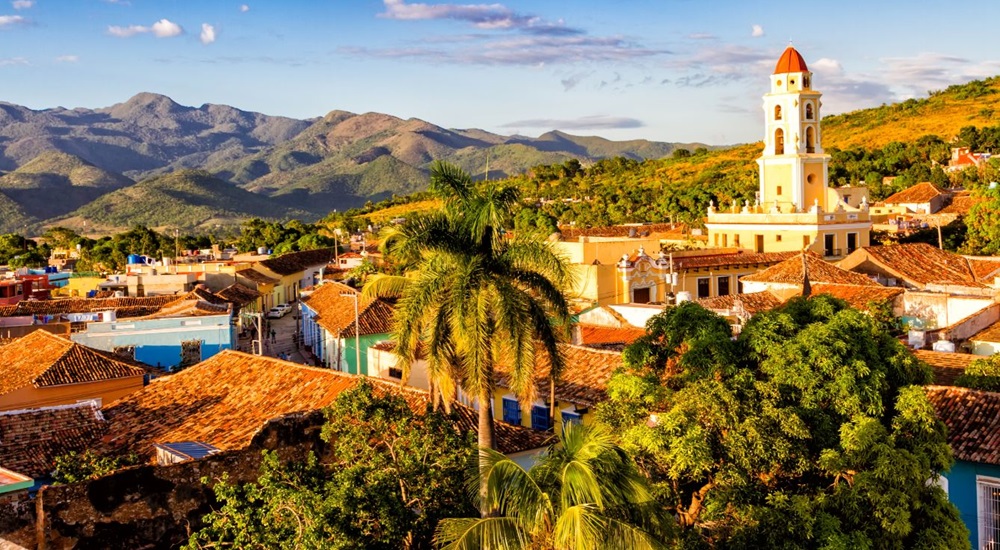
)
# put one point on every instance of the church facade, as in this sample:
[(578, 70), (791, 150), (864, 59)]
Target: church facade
[(795, 208)]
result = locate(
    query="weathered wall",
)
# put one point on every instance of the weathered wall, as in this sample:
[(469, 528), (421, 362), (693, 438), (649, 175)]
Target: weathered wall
[(148, 506)]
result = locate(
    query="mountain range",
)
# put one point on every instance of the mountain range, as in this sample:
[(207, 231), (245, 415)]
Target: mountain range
[(106, 169)]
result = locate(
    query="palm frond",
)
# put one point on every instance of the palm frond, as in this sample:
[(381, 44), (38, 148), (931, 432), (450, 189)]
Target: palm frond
[(381, 285), (494, 533)]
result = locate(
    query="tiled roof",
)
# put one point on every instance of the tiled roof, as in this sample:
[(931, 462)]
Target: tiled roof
[(212, 402), (988, 334), (335, 312), (257, 276), (86, 305), (753, 303), (973, 421), (584, 380), (204, 295), (732, 259), (923, 263), (238, 294), (916, 194), (295, 262), (594, 335), (961, 204), (985, 269), (186, 307), (31, 439), (820, 271), (858, 296), (790, 62), (43, 359), (947, 366), (656, 230)]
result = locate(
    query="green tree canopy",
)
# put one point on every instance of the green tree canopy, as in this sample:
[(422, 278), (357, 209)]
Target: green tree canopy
[(390, 477), (808, 431)]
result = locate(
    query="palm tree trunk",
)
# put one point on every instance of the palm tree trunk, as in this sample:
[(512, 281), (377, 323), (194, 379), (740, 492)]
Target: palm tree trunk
[(552, 403), (487, 441)]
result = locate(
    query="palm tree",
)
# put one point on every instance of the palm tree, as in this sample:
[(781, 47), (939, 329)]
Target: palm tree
[(585, 493), (474, 298)]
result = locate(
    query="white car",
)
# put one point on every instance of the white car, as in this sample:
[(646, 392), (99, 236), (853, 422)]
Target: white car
[(279, 311)]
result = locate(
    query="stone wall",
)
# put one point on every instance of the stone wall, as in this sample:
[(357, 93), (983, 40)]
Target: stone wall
[(147, 506)]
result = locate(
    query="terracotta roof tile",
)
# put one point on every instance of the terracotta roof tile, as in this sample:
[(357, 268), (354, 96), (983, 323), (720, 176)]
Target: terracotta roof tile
[(752, 303), (916, 194), (238, 294), (257, 277), (922, 263), (985, 269), (335, 312), (973, 421), (947, 366), (212, 402), (961, 205), (31, 439), (858, 296), (295, 262), (186, 307), (820, 271), (594, 335), (656, 230), (87, 305), (43, 359), (732, 259), (584, 380), (988, 334)]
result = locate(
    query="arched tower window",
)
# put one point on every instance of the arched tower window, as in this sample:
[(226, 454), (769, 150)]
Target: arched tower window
[(779, 142), (809, 111), (810, 140), (777, 112)]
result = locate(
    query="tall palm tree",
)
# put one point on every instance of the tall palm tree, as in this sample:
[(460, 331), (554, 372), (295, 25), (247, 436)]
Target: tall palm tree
[(474, 298), (585, 493)]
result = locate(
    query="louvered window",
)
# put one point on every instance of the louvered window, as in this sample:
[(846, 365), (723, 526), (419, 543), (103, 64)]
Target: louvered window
[(988, 490), (540, 417), (511, 411)]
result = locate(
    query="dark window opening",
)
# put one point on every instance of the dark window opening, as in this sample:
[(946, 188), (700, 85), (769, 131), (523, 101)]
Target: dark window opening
[(704, 287), (640, 295), (724, 285), (779, 142)]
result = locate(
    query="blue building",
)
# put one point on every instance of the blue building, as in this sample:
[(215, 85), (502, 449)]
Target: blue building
[(181, 334), (973, 484)]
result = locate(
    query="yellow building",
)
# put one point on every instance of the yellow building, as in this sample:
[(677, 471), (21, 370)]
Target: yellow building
[(795, 208)]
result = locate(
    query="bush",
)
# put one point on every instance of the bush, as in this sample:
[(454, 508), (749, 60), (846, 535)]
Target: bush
[(982, 374)]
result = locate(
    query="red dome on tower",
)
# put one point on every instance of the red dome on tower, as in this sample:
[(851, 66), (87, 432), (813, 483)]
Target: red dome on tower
[(790, 62)]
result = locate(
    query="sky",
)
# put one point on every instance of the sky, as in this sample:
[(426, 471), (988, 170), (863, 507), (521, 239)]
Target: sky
[(666, 70)]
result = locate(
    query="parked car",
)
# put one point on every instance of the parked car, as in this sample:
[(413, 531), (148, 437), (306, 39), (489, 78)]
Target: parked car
[(279, 311)]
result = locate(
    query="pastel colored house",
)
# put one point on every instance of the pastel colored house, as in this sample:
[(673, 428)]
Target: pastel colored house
[(329, 331), (973, 483), (581, 386), (295, 271), (922, 198), (182, 333), (42, 369)]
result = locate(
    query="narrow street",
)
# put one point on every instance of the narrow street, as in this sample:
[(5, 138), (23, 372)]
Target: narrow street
[(282, 343)]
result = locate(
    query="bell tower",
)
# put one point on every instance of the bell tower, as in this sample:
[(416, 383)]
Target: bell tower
[(793, 167)]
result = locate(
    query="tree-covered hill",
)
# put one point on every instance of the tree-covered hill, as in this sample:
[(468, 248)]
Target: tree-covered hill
[(185, 199)]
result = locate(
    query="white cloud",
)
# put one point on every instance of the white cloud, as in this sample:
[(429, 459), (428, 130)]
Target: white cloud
[(67, 59), (125, 32), (165, 28), (8, 61), (825, 65), (207, 33), (244, 8), (756, 31), (11, 20), (22, 4)]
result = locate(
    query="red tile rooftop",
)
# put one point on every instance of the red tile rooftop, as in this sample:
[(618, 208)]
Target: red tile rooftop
[(917, 194), (973, 421), (820, 271)]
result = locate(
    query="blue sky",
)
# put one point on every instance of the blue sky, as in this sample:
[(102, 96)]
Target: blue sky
[(670, 70)]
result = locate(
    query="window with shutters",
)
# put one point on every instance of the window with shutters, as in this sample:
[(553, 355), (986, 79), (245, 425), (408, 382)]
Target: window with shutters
[(540, 417), (511, 411), (988, 515)]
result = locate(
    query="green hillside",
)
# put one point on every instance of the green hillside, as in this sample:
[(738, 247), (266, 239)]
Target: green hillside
[(12, 217), (53, 184), (186, 199)]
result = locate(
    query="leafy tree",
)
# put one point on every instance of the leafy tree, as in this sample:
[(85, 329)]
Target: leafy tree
[(584, 493), (983, 234), (808, 431), (981, 374), (390, 477), (73, 466), (472, 296)]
